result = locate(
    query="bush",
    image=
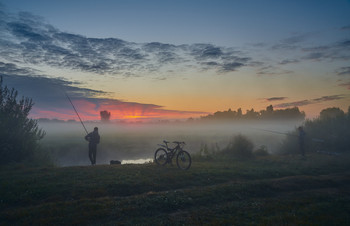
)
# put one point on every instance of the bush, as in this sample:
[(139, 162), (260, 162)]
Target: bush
[(261, 151), (329, 133), (239, 147), (19, 135)]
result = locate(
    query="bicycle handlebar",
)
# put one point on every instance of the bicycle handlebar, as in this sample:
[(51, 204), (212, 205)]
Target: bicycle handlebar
[(179, 142), (175, 142)]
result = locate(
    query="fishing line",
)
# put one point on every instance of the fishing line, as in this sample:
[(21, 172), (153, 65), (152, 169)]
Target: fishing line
[(81, 121), (288, 134)]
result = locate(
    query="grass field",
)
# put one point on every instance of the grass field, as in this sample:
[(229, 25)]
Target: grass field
[(275, 190)]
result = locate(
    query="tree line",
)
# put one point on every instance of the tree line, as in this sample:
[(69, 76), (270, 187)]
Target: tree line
[(268, 113), (328, 133)]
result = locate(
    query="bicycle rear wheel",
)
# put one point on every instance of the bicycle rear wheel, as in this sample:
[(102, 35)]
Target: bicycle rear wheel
[(161, 156), (183, 160)]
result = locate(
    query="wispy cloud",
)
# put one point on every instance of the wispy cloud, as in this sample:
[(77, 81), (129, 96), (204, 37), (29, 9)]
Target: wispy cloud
[(343, 71), (298, 49), (292, 42), (345, 84), (293, 104), (276, 98), (308, 102), (272, 70), (334, 51), (328, 98), (289, 61), (345, 27)]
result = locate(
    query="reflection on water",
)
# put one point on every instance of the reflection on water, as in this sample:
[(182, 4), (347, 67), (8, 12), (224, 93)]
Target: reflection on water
[(137, 161)]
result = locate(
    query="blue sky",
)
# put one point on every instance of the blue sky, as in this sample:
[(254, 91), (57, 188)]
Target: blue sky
[(178, 57), (185, 22)]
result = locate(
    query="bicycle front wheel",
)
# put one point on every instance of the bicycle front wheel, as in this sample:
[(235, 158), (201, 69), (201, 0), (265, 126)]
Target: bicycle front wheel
[(161, 156), (183, 160)]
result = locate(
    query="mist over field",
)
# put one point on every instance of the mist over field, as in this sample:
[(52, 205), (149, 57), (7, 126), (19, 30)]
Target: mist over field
[(66, 143)]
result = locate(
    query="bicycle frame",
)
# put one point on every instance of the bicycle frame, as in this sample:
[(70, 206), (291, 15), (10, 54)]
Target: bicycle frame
[(172, 151), (165, 154)]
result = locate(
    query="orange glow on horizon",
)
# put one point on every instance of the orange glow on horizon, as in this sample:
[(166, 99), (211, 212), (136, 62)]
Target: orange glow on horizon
[(90, 111)]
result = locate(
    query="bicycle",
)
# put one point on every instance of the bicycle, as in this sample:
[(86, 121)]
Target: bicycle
[(165, 155)]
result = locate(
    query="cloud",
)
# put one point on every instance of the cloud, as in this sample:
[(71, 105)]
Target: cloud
[(231, 66), (291, 43), (275, 98), (345, 84), (293, 104), (289, 61), (345, 43), (272, 70), (345, 27), (49, 96), (12, 69), (27, 39), (315, 56), (312, 101), (328, 98), (334, 51), (343, 71), (47, 91), (302, 48)]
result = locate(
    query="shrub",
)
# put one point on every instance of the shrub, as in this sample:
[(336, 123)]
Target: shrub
[(239, 147), (261, 151), (330, 132), (19, 135)]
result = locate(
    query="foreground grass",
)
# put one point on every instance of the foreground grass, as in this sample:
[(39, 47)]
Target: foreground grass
[(286, 190)]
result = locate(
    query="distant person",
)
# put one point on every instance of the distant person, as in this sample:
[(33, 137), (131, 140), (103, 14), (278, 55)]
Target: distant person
[(94, 139), (302, 135)]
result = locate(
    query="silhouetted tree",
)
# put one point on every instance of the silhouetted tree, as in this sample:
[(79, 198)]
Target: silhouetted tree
[(19, 135), (331, 113), (239, 112), (330, 132), (251, 114), (269, 109), (105, 116), (288, 113)]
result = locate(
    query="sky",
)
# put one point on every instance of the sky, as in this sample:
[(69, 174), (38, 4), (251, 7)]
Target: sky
[(175, 59)]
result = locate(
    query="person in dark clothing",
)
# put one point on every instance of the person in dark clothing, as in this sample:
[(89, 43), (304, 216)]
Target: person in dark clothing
[(302, 135), (94, 139)]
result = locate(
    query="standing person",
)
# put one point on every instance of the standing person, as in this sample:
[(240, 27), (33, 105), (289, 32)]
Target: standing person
[(302, 140), (94, 139)]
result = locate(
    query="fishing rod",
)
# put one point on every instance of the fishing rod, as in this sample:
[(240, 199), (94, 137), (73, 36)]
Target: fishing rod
[(276, 132), (76, 112), (288, 134)]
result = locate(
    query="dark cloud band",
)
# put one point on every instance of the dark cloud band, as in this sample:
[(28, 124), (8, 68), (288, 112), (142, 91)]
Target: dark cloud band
[(49, 95), (312, 101)]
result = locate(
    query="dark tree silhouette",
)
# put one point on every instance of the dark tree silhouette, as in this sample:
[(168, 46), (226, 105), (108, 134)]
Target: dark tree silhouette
[(329, 132), (105, 116), (19, 135), (288, 113), (331, 113)]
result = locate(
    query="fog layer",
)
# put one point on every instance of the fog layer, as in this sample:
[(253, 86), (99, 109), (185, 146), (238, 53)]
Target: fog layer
[(124, 142)]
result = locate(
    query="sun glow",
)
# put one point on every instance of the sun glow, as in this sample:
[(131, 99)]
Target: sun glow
[(89, 110)]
